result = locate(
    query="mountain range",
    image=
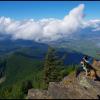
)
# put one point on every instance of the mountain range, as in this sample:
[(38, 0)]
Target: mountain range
[(32, 49)]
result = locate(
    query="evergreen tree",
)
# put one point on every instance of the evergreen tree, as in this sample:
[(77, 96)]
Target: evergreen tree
[(3, 63), (26, 85), (51, 66)]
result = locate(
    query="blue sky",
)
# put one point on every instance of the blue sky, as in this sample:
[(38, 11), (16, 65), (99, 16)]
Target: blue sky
[(46, 9), (16, 19)]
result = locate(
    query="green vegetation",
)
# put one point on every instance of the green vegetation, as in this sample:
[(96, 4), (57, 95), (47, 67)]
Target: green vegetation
[(23, 73), (2, 67), (51, 66)]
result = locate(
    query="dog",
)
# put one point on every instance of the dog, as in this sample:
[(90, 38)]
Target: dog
[(89, 70)]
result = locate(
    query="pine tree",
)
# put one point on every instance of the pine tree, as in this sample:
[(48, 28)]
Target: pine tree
[(3, 63), (51, 66), (26, 85)]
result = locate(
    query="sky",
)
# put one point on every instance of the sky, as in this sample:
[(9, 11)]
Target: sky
[(46, 9), (48, 20)]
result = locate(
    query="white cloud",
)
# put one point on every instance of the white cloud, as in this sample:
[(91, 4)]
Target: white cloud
[(45, 29), (95, 24)]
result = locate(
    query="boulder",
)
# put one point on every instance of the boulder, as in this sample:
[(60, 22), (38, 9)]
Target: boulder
[(38, 94)]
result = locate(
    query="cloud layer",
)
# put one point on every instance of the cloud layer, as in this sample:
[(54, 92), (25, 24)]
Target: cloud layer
[(47, 29)]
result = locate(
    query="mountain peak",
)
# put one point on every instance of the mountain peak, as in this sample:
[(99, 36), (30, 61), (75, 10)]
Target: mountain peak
[(71, 87)]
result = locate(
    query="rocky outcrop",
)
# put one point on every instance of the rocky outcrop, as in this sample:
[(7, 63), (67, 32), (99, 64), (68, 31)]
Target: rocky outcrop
[(38, 94), (72, 88), (69, 88), (96, 65)]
